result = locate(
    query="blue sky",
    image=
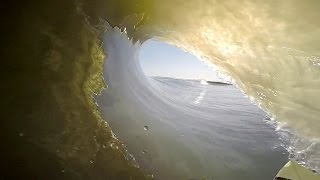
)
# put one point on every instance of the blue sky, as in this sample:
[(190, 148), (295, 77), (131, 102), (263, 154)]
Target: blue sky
[(161, 59)]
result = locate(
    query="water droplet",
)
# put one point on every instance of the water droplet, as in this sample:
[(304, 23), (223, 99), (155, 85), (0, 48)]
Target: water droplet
[(62, 171), (103, 146), (144, 152), (114, 146), (146, 128), (91, 161), (75, 148), (21, 134)]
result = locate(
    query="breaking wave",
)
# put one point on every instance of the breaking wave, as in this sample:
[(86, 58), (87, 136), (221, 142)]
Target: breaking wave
[(268, 48), (143, 99), (53, 60), (185, 129)]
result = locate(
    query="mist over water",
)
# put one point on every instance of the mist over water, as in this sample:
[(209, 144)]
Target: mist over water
[(184, 129)]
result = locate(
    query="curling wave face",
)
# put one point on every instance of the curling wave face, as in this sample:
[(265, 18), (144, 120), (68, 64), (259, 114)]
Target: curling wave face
[(53, 60), (185, 129), (268, 48)]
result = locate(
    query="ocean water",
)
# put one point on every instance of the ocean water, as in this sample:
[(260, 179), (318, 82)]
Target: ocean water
[(186, 129), (52, 61), (198, 130)]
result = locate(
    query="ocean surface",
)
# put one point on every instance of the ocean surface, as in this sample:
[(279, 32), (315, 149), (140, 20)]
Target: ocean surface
[(191, 129)]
